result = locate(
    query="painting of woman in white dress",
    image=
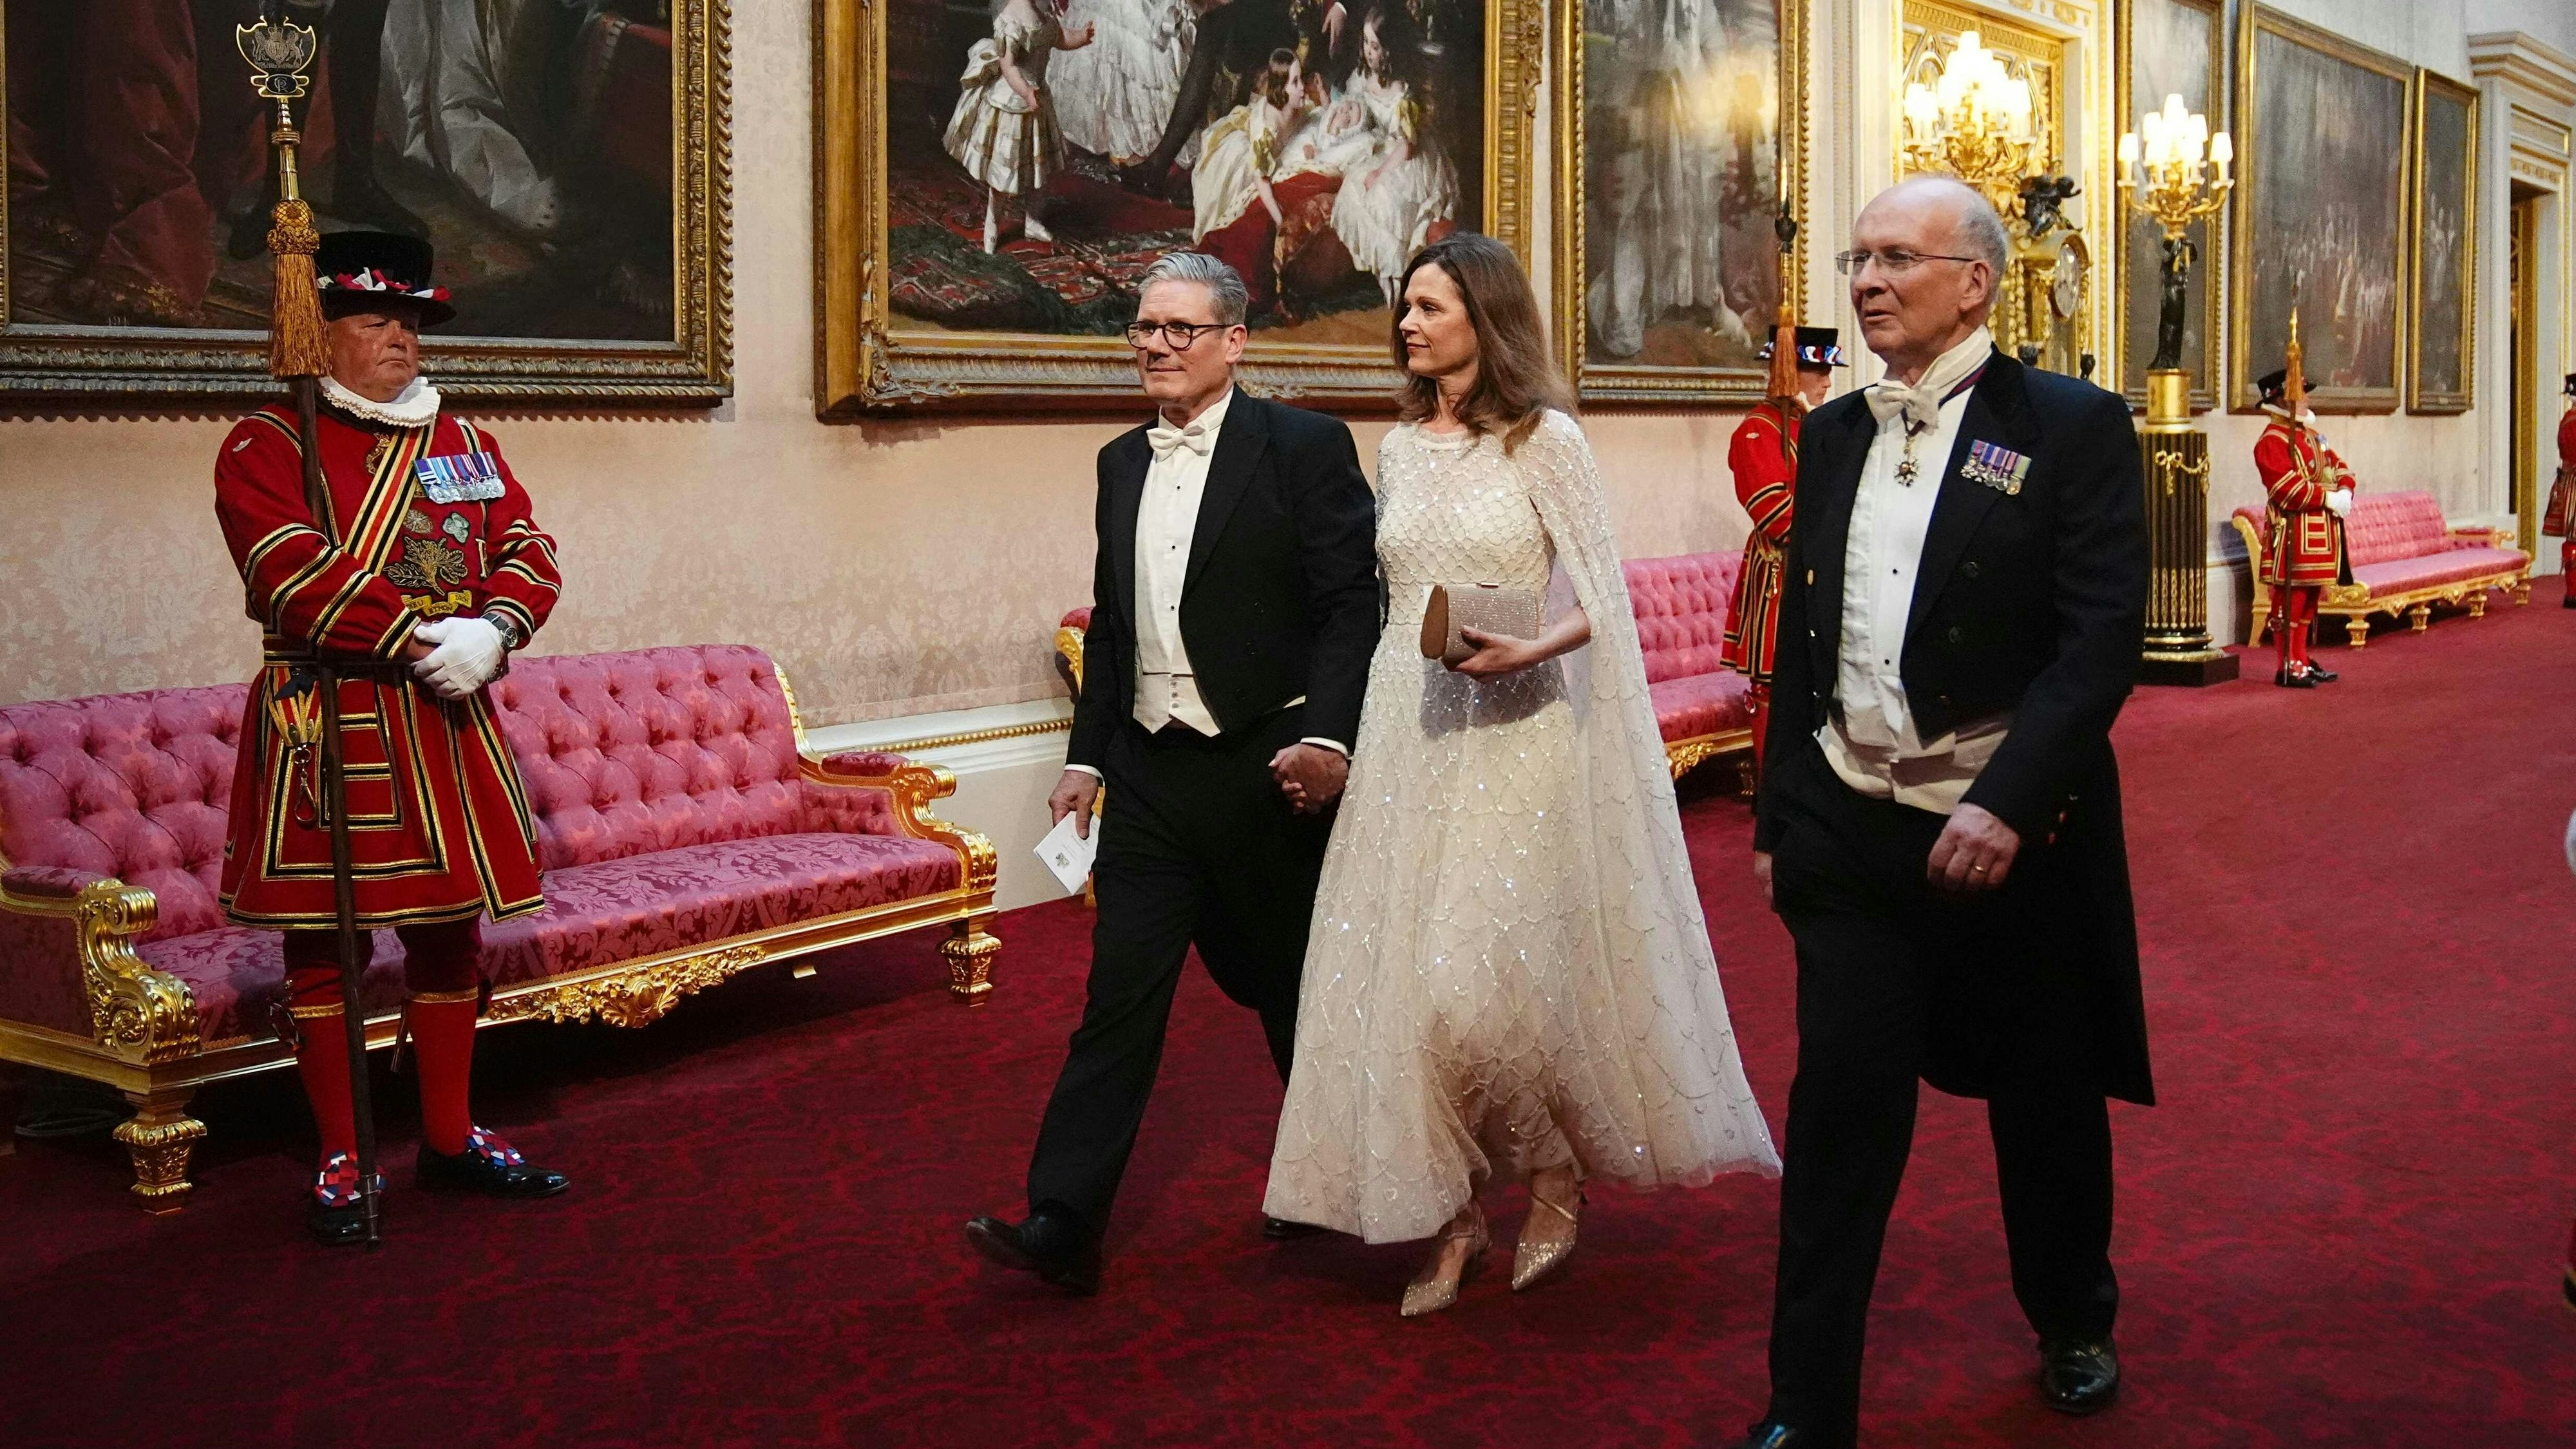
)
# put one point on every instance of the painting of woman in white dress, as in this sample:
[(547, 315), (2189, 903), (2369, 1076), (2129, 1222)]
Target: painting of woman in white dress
[(1390, 202), (1316, 192), (1681, 179)]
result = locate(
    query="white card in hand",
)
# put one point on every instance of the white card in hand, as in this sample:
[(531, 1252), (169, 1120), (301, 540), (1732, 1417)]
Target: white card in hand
[(1069, 855)]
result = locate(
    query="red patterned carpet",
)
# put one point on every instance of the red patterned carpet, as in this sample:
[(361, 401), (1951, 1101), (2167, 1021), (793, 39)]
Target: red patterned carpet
[(2343, 1227)]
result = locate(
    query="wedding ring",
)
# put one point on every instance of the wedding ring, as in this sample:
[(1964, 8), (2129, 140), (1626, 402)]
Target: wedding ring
[(1976, 870)]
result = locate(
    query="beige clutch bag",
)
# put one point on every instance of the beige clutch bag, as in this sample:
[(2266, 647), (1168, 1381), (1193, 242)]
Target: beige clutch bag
[(1486, 608)]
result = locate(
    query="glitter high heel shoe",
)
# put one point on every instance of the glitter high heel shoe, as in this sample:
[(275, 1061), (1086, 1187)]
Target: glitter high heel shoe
[(1431, 1290), (1532, 1262)]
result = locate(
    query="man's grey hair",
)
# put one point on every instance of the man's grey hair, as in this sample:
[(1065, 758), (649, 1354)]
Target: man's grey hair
[(1225, 289), (1981, 230)]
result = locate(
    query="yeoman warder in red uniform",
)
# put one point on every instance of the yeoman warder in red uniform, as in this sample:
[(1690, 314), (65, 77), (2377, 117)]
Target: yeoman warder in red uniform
[(2309, 490), (439, 572), (1764, 460), (2561, 519)]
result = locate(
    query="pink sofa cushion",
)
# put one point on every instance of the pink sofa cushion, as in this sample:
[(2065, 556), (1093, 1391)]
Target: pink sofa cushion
[(134, 786), (595, 914), (2387, 526), (1681, 603), (624, 754), (2431, 570), (1702, 704), (670, 900)]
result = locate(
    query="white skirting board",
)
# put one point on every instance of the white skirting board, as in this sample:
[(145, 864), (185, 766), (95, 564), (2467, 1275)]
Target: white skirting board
[(1002, 785)]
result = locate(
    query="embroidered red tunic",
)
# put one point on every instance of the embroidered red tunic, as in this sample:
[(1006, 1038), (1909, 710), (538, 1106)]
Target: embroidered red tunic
[(2560, 521), (1764, 458), (2305, 549), (439, 826)]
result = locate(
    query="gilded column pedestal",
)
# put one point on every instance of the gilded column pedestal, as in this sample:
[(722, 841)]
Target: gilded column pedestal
[(2177, 648)]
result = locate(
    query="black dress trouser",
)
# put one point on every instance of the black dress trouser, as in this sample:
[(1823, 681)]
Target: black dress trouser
[(1894, 978), (1197, 847)]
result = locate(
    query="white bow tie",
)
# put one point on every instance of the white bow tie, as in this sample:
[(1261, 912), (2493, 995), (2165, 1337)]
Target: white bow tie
[(1167, 440), (1919, 405)]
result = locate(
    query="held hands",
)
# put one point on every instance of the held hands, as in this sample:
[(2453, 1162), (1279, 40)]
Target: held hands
[(1310, 776), (2340, 501), (1974, 854), (1076, 793), (469, 654), (1762, 873)]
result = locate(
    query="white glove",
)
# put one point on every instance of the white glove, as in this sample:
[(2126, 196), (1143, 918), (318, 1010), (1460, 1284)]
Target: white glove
[(2340, 501), (470, 655)]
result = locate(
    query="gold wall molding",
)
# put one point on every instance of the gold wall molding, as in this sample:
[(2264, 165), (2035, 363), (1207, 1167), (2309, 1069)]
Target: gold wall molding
[(94, 365), (867, 362)]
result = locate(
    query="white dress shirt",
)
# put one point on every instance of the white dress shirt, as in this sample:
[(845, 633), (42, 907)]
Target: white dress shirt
[(1167, 520), (1871, 741)]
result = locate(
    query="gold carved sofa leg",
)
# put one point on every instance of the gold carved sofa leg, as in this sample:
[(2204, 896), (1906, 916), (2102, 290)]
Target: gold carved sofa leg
[(2356, 630), (970, 954), (2477, 603), (159, 1137), (2418, 617)]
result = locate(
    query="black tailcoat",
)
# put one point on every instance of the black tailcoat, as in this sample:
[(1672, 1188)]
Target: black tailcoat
[(2032, 601)]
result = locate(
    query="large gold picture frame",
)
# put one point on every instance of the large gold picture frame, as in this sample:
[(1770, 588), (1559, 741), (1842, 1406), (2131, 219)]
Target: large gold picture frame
[(2145, 78), (1608, 381), (2320, 144), (2442, 278), (48, 359), (869, 359)]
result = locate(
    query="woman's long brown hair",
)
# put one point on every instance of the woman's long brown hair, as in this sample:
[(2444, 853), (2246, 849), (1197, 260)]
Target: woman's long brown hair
[(1516, 377)]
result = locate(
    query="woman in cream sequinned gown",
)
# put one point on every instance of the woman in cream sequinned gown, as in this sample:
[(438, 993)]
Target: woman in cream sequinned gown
[(1509, 969)]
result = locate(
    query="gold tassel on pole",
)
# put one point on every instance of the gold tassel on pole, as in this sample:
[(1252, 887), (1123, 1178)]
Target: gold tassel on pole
[(1783, 383), (280, 52)]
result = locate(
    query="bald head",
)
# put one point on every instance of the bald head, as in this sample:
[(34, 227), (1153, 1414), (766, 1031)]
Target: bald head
[(1913, 311)]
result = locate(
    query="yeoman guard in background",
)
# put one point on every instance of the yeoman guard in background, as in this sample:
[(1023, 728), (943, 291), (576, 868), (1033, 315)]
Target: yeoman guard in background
[(1764, 459), (426, 571), (2309, 491), (2561, 520)]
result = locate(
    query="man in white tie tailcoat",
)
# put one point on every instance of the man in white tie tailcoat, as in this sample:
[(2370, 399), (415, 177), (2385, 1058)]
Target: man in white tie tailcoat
[(1962, 600), (1234, 609)]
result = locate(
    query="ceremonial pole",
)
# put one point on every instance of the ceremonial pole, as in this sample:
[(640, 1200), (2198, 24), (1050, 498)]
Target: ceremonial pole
[(280, 52)]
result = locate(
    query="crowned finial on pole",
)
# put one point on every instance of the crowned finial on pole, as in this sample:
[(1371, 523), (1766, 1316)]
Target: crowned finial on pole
[(1783, 382), (280, 53)]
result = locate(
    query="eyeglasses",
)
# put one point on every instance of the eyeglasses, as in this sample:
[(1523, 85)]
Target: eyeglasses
[(1178, 335), (1894, 263)]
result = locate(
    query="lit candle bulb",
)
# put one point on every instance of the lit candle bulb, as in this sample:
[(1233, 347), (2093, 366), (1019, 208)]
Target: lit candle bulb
[(2222, 154), (2129, 158)]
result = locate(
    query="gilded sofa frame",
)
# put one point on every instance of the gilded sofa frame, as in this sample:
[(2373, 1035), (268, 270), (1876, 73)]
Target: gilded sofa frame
[(2355, 603), (143, 1039)]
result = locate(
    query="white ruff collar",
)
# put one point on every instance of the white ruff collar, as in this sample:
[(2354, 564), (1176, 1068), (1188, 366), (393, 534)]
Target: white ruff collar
[(417, 407)]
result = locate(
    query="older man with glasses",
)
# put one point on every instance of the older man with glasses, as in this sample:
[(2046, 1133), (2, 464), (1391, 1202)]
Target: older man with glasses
[(1939, 818), (1234, 608)]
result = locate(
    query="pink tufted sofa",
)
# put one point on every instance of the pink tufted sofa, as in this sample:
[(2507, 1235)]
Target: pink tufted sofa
[(685, 832), (2405, 559), (1681, 603)]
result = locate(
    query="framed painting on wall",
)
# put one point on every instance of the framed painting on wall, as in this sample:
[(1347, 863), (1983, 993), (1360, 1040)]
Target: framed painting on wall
[(976, 247), (2320, 214), (2441, 362), (2167, 48), (569, 163), (1673, 160)]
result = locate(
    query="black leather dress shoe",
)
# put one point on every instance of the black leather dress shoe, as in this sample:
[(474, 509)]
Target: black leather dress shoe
[(2078, 1375), (1280, 1230), (338, 1215), (489, 1166), (1052, 1244), (2321, 674), (1772, 1434), (2288, 680)]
